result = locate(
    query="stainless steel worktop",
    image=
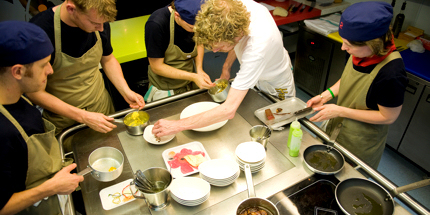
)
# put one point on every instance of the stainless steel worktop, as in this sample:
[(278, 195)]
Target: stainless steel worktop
[(280, 172)]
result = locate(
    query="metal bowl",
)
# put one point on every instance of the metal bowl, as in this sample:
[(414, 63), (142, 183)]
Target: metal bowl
[(220, 91), (136, 129)]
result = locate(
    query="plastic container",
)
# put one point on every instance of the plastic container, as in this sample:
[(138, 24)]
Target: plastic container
[(294, 126), (296, 141)]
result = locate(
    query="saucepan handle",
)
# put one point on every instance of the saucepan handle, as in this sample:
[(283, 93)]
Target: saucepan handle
[(120, 121), (249, 183), (85, 171)]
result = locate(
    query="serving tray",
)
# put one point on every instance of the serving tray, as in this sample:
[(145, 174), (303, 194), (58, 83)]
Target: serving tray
[(289, 105)]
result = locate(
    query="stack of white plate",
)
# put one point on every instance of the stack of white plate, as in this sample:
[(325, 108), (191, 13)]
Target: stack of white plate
[(190, 191), (219, 172), (251, 153)]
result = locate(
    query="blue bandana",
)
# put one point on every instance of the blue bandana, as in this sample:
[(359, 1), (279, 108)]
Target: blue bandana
[(23, 43), (365, 21)]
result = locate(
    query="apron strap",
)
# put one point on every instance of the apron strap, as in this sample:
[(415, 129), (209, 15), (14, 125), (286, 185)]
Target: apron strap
[(57, 29), (13, 120), (172, 27)]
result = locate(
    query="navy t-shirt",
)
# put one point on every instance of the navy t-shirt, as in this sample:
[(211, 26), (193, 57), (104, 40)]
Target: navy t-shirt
[(13, 151), (388, 87), (157, 34), (74, 41)]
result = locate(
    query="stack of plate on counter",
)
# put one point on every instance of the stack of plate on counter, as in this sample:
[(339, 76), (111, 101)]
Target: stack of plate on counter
[(219, 172), (190, 191), (251, 153)]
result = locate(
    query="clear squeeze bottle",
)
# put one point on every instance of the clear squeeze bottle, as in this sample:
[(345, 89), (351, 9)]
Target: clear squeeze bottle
[(296, 141), (294, 126)]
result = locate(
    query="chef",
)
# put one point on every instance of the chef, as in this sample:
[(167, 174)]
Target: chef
[(30, 162), (372, 87), (80, 33), (175, 62), (246, 30)]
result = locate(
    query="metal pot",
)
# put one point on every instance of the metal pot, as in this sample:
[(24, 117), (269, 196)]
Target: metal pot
[(323, 159), (101, 161), (135, 129), (253, 201), (362, 196), (217, 93)]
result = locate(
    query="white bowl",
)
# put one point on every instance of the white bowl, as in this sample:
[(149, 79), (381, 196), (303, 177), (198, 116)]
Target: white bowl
[(219, 168), (150, 138), (190, 188), (250, 152), (200, 107)]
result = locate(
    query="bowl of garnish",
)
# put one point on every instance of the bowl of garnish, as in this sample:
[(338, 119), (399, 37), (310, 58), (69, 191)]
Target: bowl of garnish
[(220, 91)]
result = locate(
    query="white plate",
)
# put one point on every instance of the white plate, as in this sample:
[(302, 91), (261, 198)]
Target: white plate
[(150, 138), (219, 168), (195, 147), (107, 200), (250, 152), (200, 107), (190, 188)]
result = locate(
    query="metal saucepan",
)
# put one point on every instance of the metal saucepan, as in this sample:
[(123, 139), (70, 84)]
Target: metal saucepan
[(253, 201), (220, 91), (362, 196), (323, 159), (135, 122), (105, 164)]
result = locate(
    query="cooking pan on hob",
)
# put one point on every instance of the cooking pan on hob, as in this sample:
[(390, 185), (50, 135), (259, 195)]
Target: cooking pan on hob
[(362, 196), (323, 159)]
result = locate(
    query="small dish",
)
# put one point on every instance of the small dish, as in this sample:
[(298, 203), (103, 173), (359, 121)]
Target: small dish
[(150, 138)]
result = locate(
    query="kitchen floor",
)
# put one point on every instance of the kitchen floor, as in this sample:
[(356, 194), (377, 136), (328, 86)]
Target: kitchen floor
[(395, 167)]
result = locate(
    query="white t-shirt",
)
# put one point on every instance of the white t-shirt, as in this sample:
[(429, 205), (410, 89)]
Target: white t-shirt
[(264, 62)]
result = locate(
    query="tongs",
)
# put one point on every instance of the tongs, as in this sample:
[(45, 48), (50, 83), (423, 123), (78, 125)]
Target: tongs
[(143, 183)]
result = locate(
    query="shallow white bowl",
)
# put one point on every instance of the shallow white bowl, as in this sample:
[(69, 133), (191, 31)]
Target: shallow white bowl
[(250, 152), (219, 168), (200, 107), (190, 188), (150, 138)]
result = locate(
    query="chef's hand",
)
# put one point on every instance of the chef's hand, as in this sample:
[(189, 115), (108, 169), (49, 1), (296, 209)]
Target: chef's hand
[(326, 112), (165, 127), (64, 182), (203, 81), (98, 121), (134, 99), (315, 101)]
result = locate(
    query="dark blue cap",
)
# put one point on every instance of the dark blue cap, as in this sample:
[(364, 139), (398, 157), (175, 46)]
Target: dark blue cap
[(23, 43), (188, 9), (365, 21)]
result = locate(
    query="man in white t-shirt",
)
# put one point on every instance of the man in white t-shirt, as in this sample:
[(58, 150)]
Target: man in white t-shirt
[(246, 30)]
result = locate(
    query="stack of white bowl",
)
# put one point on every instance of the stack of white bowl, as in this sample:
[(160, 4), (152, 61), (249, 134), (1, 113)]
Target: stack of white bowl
[(219, 172), (190, 191), (251, 153)]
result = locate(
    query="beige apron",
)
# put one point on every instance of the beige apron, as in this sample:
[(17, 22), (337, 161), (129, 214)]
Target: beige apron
[(366, 141), (176, 58), (77, 81), (44, 160)]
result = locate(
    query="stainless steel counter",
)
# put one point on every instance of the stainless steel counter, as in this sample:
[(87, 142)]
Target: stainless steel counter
[(280, 172)]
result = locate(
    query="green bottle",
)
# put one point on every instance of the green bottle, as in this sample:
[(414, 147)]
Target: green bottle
[(296, 141), (294, 126)]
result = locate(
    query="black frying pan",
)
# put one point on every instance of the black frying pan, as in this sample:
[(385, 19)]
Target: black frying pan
[(323, 159), (362, 196)]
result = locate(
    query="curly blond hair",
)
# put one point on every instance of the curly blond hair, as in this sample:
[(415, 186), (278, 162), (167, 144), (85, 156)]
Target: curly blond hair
[(221, 21), (104, 8)]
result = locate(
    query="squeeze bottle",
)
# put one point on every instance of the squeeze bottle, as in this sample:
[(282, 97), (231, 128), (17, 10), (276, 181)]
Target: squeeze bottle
[(294, 126), (296, 141)]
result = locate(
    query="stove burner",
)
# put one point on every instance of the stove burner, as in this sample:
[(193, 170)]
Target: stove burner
[(314, 196)]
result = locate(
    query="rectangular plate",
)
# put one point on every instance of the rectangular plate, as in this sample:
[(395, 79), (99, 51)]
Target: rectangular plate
[(289, 105), (108, 200), (194, 147)]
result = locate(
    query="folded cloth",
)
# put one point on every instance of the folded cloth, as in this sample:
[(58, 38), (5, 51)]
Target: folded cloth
[(324, 25)]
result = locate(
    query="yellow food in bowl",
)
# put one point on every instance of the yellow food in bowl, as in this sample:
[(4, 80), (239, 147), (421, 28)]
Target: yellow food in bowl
[(221, 86), (136, 119), (112, 169)]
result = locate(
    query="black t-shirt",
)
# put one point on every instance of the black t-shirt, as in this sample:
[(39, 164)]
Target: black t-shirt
[(157, 34), (13, 151), (388, 87), (74, 41)]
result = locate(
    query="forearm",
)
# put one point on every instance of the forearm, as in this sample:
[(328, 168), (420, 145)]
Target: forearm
[(113, 71), (199, 58), (160, 68), (231, 57), (50, 102), (326, 95), (21, 200), (383, 116)]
